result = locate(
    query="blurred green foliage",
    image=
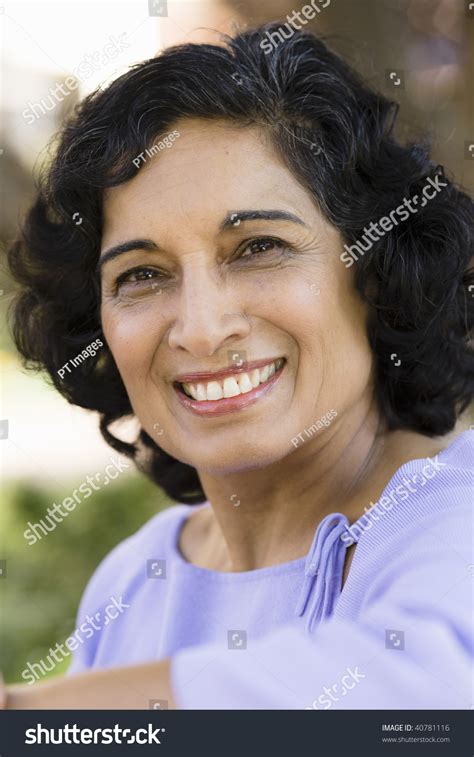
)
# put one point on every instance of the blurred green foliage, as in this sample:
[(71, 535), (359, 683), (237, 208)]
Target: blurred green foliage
[(44, 582)]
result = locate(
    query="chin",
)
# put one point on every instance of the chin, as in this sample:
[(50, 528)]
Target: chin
[(238, 459)]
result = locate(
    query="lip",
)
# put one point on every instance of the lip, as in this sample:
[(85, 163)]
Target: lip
[(195, 378), (211, 408)]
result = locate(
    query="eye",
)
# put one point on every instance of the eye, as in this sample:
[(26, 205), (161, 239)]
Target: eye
[(136, 276), (262, 246)]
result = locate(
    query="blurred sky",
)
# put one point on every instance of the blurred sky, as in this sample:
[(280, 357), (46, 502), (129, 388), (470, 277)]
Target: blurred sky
[(55, 36)]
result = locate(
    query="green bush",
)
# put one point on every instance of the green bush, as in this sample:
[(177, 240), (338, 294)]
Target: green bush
[(44, 582)]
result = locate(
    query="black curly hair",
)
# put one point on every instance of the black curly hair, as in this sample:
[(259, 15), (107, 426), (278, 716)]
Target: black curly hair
[(337, 136)]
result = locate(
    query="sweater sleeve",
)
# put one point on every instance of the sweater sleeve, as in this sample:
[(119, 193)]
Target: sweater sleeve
[(410, 647)]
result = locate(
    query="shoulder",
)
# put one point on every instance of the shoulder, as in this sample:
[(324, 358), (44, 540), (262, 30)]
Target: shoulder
[(415, 545), (442, 484), (429, 498), (127, 564)]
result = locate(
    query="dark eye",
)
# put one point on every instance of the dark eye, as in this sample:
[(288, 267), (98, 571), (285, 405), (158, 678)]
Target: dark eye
[(261, 246), (138, 275)]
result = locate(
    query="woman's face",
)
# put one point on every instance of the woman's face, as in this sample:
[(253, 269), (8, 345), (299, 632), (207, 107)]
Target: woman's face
[(229, 266)]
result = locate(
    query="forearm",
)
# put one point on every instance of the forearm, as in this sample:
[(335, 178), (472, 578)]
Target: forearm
[(125, 688)]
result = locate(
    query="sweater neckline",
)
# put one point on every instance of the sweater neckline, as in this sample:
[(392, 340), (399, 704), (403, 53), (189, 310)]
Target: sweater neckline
[(292, 566)]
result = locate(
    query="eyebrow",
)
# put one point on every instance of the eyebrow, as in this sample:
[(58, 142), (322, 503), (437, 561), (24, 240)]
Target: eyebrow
[(233, 219), (230, 221), (120, 249)]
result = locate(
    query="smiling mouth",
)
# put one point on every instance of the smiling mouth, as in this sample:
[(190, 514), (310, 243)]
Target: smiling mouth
[(231, 392), (240, 383)]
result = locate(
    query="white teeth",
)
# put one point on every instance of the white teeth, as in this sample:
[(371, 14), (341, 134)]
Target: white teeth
[(201, 392), (245, 385), (214, 391), (255, 377), (231, 386)]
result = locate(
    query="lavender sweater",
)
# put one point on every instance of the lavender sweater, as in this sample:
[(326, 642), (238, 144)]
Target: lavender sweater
[(398, 635)]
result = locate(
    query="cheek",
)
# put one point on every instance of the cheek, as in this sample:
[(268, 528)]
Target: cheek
[(345, 351), (326, 320), (132, 339), (288, 299)]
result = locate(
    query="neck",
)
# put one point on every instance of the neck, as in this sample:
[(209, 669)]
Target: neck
[(266, 516)]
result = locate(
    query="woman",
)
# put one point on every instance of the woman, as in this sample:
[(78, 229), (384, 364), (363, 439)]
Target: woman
[(297, 364)]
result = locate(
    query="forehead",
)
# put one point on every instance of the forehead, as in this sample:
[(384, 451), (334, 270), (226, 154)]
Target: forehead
[(211, 168)]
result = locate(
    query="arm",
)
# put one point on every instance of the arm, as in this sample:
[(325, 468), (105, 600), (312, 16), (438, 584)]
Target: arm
[(127, 688)]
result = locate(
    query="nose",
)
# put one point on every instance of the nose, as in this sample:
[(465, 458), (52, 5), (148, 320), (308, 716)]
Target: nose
[(208, 316)]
